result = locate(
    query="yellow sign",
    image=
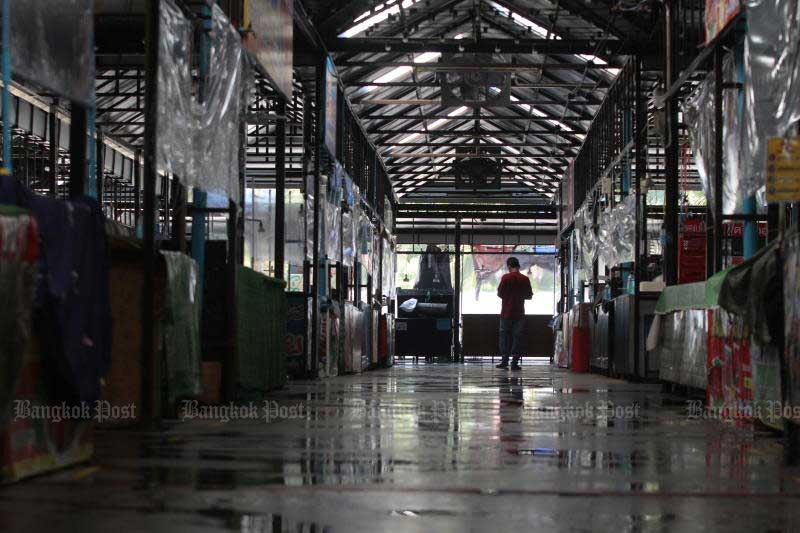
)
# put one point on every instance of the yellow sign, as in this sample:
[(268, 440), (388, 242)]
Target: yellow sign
[(783, 170)]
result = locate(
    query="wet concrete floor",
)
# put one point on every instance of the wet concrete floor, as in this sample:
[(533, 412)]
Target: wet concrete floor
[(428, 447)]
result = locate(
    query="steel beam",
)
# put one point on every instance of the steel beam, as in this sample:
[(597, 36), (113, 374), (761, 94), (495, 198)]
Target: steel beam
[(438, 102), (435, 116), (450, 155), (670, 263), (408, 45), (532, 144), (476, 67), (472, 134), (579, 85)]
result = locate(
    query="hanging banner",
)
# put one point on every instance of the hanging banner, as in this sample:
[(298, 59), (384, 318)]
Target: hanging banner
[(269, 38), (692, 250), (52, 44), (783, 170), (719, 13), (331, 88)]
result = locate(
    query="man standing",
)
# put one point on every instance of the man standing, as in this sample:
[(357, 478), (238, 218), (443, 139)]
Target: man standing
[(514, 289)]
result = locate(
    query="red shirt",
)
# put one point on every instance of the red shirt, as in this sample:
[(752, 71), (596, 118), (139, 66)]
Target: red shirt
[(514, 289)]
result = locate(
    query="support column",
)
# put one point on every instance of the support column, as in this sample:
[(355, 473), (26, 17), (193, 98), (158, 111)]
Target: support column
[(230, 366), (717, 177), (5, 19), (78, 163), (280, 188), (199, 197), (199, 202), (457, 355), (53, 127), (137, 187), (640, 155), (318, 274), (240, 214), (179, 216), (101, 148), (150, 397), (671, 68)]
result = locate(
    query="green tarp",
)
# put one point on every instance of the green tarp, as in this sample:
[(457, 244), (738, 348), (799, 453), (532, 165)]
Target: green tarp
[(260, 333), (701, 295), (181, 321)]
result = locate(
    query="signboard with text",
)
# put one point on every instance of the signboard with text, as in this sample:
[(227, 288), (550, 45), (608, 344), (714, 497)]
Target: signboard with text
[(783, 170)]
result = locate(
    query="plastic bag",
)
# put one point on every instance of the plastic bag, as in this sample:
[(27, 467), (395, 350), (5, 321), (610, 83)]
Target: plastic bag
[(409, 305)]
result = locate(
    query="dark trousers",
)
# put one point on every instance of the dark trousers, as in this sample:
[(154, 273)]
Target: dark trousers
[(511, 331)]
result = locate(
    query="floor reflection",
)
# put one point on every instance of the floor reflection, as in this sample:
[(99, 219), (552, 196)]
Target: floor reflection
[(430, 447)]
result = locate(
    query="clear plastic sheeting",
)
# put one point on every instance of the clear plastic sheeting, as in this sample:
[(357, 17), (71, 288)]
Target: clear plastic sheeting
[(182, 326), (388, 268), (388, 216), (52, 44), (604, 230), (791, 314), (772, 79), (616, 232), (682, 348), (377, 260), (309, 212), (217, 138), (356, 210), (198, 140), (333, 228), (586, 239), (365, 240), (348, 238), (174, 127), (699, 113), (623, 239), (333, 220)]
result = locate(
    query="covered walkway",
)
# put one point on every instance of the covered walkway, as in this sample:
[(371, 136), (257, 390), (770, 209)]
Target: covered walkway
[(429, 448)]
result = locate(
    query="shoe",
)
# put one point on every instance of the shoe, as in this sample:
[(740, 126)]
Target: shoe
[(502, 365), (516, 367)]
